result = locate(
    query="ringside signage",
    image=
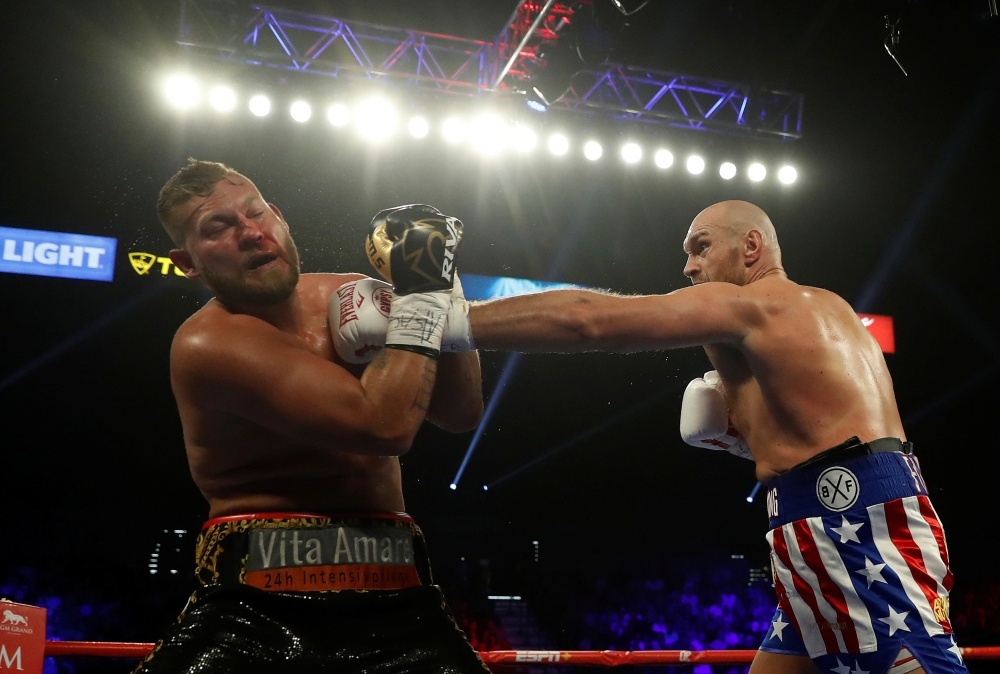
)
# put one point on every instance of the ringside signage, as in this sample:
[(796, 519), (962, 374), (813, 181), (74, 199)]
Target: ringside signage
[(22, 638), (41, 253)]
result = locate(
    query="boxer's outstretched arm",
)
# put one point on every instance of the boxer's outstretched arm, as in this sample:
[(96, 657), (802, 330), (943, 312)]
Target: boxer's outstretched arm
[(457, 402), (250, 369), (583, 320)]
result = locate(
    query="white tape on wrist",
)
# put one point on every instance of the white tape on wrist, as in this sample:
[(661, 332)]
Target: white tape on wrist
[(418, 320), (458, 333)]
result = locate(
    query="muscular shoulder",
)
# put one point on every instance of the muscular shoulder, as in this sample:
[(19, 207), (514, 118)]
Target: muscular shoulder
[(791, 297), (213, 333), (780, 295)]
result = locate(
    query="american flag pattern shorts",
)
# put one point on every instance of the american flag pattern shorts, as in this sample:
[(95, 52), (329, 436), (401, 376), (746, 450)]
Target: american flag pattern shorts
[(860, 567)]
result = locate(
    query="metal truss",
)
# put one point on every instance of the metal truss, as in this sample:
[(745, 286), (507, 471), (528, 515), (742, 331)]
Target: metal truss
[(445, 64), (687, 102)]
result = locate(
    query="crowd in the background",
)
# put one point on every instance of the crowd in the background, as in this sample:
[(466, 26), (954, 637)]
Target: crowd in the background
[(712, 611), (709, 610)]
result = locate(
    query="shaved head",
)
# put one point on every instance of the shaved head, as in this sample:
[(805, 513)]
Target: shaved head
[(738, 218), (731, 241)]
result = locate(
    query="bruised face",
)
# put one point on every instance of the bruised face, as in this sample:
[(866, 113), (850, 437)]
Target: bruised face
[(238, 244), (713, 254)]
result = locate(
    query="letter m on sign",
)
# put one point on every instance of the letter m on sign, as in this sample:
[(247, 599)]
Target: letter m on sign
[(10, 661), (22, 638)]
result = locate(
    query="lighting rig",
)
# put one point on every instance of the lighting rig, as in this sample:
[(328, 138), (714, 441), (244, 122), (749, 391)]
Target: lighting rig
[(547, 72), (489, 132)]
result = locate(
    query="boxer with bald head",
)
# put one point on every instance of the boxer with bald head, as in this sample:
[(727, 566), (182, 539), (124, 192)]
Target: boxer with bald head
[(858, 553)]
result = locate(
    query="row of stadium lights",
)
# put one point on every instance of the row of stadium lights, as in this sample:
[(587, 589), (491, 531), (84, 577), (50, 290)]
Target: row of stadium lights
[(489, 134)]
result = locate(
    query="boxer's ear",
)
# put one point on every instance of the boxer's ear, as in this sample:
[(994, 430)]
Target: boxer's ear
[(182, 260), (753, 247)]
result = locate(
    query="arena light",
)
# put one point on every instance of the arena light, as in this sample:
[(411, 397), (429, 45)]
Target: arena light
[(453, 486), (631, 153), (524, 139), (488, 134), (376, 119), (260, 106), (787, 174), (182, 91), (593, 150), (664, 158), (418, 127), (757, 172), (223, 99), (727, 170), (338, 114), (453, 130), (695, 164), (558, 144), (300, 111)]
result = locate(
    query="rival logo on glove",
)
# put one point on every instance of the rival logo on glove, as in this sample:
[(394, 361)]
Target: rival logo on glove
[(449, 248)]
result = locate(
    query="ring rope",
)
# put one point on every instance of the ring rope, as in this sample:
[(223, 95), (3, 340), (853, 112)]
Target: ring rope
[(119, 649)]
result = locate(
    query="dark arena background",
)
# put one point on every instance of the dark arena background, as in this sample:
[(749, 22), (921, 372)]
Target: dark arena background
[(575, 518)]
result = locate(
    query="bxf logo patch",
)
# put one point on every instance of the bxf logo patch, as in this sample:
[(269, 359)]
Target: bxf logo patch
[(837, 489)]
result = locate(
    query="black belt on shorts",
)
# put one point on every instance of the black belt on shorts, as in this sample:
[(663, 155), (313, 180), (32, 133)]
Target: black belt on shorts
[(853, 447)]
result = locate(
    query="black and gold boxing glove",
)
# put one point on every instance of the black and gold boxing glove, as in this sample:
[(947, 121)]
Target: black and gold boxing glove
[(413, 248)]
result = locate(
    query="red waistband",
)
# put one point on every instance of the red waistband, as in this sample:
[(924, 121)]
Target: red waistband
[(338, 517)]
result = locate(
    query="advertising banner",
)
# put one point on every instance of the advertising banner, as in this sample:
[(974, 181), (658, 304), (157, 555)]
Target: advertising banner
[(41, 253), (22, 638)]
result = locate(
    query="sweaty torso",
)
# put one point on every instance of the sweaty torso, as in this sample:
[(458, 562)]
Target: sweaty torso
[(241, 466), (806, 378)]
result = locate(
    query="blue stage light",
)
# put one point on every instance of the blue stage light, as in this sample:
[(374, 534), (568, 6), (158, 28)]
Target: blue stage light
[(537, 106)]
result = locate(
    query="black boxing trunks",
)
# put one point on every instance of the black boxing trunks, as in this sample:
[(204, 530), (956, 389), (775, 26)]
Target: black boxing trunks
[(860, 563), (290, 592)]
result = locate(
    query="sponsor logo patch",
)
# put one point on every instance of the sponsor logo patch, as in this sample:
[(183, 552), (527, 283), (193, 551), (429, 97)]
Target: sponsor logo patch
[(837, 489), (331, 558), (942, 609)]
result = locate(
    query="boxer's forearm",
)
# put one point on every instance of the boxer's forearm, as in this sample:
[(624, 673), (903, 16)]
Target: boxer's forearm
[(457, 402), (582, 320), (554, 321)]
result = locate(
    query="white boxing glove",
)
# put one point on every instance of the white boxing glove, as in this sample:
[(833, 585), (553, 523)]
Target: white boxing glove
[(705, 418), (359, 317)]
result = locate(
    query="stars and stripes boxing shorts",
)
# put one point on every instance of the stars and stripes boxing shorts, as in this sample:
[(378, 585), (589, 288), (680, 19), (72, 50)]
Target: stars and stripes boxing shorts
[(860, 564)]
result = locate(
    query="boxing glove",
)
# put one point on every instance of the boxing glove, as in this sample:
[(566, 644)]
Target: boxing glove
[(705, 418), (413, 247), (359, 318)]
